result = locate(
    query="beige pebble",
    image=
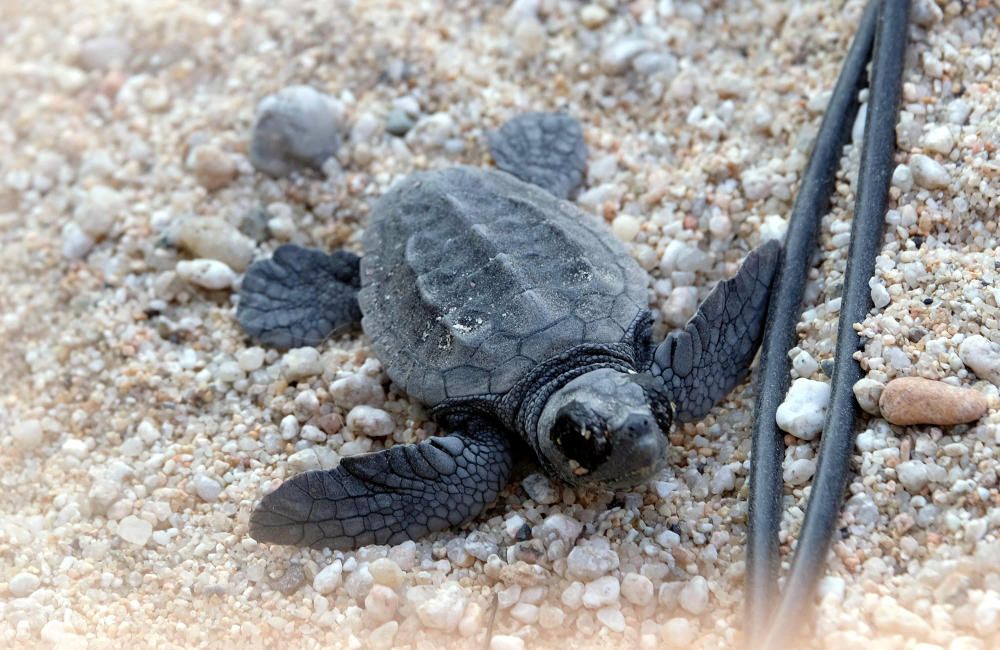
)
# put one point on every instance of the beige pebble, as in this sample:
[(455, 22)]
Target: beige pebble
[(213, 167), (915, 400)]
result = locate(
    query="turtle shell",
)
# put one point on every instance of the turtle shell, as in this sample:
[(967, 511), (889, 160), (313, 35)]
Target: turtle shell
[(471, 278)]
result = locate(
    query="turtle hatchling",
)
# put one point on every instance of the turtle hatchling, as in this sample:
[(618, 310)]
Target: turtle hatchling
[(508, 312)]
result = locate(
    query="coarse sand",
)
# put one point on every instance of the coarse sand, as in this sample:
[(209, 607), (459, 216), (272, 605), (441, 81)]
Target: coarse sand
[(138, 425)]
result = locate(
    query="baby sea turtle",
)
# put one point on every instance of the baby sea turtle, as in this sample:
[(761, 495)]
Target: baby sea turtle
[(507, 311)]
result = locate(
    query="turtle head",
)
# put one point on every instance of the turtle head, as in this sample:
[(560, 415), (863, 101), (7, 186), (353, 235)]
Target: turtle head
[(606, 427)]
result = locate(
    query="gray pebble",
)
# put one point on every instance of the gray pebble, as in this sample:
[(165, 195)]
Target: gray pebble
[(398, 122), (293, 130)]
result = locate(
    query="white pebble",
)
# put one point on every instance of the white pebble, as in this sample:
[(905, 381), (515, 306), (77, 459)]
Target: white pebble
[(799, 471), (386, 572), (590, 562), (880, 296), (560, 526), (625, 227), (525, 613), (940, 140), (381, 603), (352, 390), (250, 359), (300, 363), (593, 16), (213, 238), (913, 475), (616, 57), (982, 356), (23, 584), (680, 306), (804, 364), (867, 392), (902, 177), (694, 595), (443, 610), (506, 642), (311, 458), (804, 409), (611, 618), (637, 589), (208, 274), (207, 488), (328, 579), (27, 434), (600, 592), (370, 421), (134, 530), (75, 447), (678, 632), (75, 242), (928, 173)]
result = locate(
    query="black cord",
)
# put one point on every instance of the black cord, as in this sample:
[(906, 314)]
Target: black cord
[(874, 175), (811, 203)]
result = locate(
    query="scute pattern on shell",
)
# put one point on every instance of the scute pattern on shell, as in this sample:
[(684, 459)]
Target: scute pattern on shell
[(472, 277)]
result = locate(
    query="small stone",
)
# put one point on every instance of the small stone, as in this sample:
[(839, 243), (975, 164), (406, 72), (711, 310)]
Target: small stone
[(253, 224), (443, 610), (926, 13), (637, 589), (134, 530), (382, 637), (398, 122), (328, 579), (27, 434), (982, 356), (804, 409), (611, 618), (625, 227), (540, 489), (207, 488), (370, 421), (617, 57), (352, 390), (891, 618), (75, 447), (312, 458), (525, 613), (294, 129), (902, 177), (104, 53), (97, 212), (602, 591), (560, 526), (23, 584), (300, 363), (694, 595), (250, 359), (928, 173), (506, 642), (432, 131), (75, 242), (678, 633), (915, 400), (804, 364), (593, 16), (386, 572), (215, 239), (208, 274), (913, 475), (867, 392), (799, 471), (590, 562), (880, 296), (529, 36), (551, 617), (213, 168), (680, 306), (940, 140), (290, 581), (381, 603)]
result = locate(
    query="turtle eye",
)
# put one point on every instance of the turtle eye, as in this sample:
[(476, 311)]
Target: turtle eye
[(581, 437)]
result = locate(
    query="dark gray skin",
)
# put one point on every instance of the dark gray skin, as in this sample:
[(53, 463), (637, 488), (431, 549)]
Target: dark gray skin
[(506, 311)]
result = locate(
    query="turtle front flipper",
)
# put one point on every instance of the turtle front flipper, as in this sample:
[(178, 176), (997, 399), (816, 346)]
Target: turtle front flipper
[(300, 296), (391, 496), (701, 363), (545, 149)]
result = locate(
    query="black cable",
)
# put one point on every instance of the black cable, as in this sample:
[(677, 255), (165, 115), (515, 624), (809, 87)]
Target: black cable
[(874, 176), (811, 203)]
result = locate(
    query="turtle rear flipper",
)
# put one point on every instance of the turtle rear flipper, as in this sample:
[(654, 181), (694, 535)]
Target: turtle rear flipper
[(300, 296), (701, 363), (545, 149), (391, 496)]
